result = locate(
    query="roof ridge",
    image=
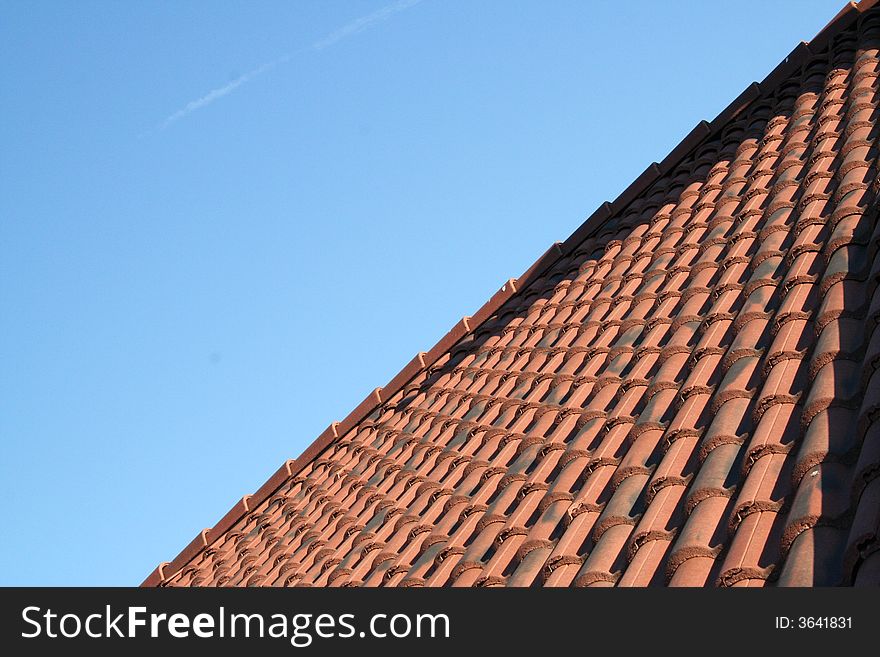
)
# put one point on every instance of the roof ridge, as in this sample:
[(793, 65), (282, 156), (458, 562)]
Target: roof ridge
[(702, 132)]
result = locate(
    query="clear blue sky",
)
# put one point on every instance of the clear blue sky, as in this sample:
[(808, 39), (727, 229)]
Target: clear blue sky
[(193, 285)]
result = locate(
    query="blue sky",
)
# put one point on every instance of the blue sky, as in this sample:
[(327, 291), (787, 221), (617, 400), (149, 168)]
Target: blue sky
[(223, 224)]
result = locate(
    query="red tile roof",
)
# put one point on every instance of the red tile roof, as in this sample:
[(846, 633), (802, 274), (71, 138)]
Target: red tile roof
[(684, 392)]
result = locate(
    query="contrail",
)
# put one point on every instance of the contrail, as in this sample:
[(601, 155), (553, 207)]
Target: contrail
[(364, 22), (219, 92), (347, 30)]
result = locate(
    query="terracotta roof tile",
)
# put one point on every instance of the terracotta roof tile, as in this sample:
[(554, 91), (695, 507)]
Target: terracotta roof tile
[(682, 393)]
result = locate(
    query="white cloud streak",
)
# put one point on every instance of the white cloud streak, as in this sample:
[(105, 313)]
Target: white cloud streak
[(363, 23), (347, 30), (219, 92)]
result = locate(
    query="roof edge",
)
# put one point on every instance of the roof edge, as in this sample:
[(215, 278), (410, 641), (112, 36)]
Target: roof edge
[(468, 324)]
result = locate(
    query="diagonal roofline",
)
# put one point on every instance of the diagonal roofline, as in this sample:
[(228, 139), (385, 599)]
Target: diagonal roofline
[(702, 132)]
